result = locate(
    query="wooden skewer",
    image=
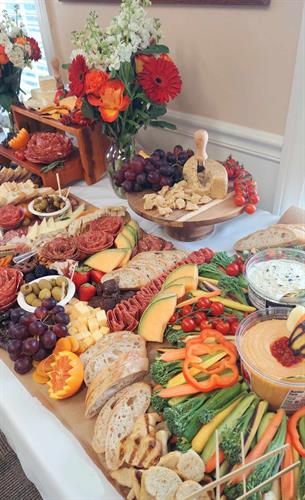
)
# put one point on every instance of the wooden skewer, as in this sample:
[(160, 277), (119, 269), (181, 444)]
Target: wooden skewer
[(68, 192), (73, 271), (58, 184), (243, 460), (217, 465), (231, 475)]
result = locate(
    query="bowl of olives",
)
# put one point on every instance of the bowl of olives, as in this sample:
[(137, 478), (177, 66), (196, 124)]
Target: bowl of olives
[(32, 294), (49, 205)]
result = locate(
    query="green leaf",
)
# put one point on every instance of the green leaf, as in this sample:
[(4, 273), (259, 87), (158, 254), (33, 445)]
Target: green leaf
[(133, 123), (51, 166), (65, 66), (155, 110), (87, 110), (6, 100), (162, 124), (156, 49)]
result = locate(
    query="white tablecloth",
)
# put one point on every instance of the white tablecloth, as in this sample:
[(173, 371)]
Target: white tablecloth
[(50, 455)]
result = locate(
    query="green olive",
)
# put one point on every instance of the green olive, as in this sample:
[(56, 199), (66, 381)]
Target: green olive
[(35, 288), (30, 298), (44, 284), (26, 289), (44, 294), (36, 303), (61, 280), (57, 293)]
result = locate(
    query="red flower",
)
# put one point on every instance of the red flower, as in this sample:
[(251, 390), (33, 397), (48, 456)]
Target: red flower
[(35, 50), (3, 57), (160, 80), (77, 73)]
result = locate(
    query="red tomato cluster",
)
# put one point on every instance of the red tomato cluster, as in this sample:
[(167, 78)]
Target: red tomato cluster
[(244, 185), (236, 267)]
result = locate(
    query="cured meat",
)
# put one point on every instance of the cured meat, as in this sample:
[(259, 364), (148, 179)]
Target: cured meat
[(94, 241), (61, 248), (10, 216), (46, 147), (12, 234), (151, 243), (108, 224), (10, 281)]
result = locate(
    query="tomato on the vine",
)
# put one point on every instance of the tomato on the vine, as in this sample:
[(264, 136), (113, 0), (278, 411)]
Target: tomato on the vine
[(230, 318), (188, 324), (204, 303), (205, 324), (223, 327), (250, 209), (233, 327), (232, 269), (186, 310), (254, 198), (217, 309), (199, 317), (239, 200), (173, 319)]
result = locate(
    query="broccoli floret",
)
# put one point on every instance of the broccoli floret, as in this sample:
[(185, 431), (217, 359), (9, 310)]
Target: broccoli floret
[(210, 271), (159, 404), (183, 444), (175, 337), (221, 259), (185, 415), (231, 286), (161, 371)]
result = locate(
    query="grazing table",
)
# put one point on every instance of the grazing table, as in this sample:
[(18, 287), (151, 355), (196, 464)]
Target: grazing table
[(50, 455)]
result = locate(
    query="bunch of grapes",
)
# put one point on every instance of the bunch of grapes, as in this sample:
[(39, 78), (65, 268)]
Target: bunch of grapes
[(33, 335), (160, 169)]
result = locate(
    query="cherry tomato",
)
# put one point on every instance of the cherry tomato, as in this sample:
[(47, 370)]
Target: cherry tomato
[(230, 172), (205, 324), (232, 269), (250, 209), (188, 324), (233, 327), (254, 198), (199, 317), (239, 200), (173, 319), (231, 318), (223, 327), (204, 303), (217, 309), (186, 310)]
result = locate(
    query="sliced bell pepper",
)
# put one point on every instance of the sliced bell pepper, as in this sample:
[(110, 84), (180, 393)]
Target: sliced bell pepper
[(293, 431)]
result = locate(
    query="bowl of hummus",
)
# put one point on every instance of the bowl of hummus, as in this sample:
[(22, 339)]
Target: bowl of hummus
[(276, 277), (268, 364)]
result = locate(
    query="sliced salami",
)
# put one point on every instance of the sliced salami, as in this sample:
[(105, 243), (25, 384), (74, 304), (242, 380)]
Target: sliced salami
[(10, 281), (108, 224), (46, 147), (10, 216), (94, 241), (61, 248)]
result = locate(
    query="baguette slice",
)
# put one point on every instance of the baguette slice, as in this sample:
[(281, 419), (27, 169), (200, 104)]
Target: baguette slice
[(122, 421), (103, 358), (103, 343), (126, 370), (190, 487), (161, 483), (281, 235), (102, 421)]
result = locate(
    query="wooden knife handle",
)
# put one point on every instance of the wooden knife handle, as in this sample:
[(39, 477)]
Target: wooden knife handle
[(201, 140)]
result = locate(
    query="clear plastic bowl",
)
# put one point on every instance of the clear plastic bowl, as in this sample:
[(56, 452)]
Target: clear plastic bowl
[(256, 296), (280, 393)]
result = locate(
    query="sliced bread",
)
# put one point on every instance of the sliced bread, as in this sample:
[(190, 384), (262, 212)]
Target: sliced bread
[(122, 421), (279, 235), (102, 343), (161, 483), (190, 466), (104, 357), (123, 372), (190, 487)]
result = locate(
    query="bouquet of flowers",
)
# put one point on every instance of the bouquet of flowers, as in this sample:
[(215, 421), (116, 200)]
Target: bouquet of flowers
[(122, 76), (17, 51)]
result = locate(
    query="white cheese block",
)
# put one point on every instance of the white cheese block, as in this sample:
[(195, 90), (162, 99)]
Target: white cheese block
[(47, 83)]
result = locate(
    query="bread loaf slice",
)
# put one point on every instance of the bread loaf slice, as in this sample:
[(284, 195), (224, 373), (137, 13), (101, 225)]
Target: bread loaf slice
[(279, 235), (103, 343), (126, 370), (190, 487), (103, 358), (161, 483), (122, 421)]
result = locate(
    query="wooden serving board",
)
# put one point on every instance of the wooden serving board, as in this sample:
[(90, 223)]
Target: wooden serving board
[(200, 224)]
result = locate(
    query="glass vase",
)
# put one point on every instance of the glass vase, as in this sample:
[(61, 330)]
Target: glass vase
[(116, 157)]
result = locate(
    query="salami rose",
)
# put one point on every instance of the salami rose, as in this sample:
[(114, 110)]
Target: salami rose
[(10, 281), (61, 248), (108, 224), (94, 241), (11, 216), (46, 147)]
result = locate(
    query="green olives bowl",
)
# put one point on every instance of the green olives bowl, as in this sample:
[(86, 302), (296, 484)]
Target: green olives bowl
[(68, 294)]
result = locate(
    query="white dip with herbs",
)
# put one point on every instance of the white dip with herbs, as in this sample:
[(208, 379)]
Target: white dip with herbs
[(275, 278)]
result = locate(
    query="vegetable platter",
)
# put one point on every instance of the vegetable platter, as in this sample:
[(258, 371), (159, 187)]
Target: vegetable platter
[(152, 347)]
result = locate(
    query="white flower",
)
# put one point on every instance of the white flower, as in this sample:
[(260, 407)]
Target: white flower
[(4, 40), (16, 56), (14, 32)]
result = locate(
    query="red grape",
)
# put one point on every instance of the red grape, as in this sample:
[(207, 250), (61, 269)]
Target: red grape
[(23, 364), (48, 339), (165, 181), (58, 309), (137, 166), (49, 303), (171, 157), (37, 328), (40, 354), (153, 177), (148, 167), (41, 312), (127, 186), (190, 153), (60, 330), (27, 319), (160, 152), (16, 314), (182, 157), (178, 149), (141, 179), (30, 346), (154, 159), (140, 159), (130, 175), (137, 187), (14, 346), (14, 356), (62, 318), (18, 331), (167, 170)]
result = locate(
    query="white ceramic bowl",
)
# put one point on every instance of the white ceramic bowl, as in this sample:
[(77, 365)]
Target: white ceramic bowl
[(70, 293), (49, 214)]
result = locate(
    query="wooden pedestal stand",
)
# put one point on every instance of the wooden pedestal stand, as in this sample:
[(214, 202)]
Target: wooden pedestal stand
[(87, 161)]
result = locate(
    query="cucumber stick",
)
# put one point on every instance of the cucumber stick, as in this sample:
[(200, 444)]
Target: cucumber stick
[(227, 423)]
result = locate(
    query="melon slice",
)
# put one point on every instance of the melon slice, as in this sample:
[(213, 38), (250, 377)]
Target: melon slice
[(154, 319), (130, 234), (133, 223), (189, 282), (107, 260), (122, 241), (126, 258), (185, 271), (177, 287)]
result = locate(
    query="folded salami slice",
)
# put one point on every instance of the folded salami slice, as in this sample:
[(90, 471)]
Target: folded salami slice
[(10, 216), (10, 281), (93, 241)]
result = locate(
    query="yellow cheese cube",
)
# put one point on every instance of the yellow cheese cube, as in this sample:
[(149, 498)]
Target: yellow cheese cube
[(92, 324), (101, 317), (104, 330), (97, 335)]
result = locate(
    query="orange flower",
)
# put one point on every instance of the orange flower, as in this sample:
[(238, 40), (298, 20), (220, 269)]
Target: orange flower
[(3, 57), (112, 100), (140, 60), (94, 80), (21, 40)]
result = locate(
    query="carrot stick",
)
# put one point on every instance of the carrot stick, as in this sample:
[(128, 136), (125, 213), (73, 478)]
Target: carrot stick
[(173, 355), (210, 465), (260, 448), (178, 390), (193, 300), (287, 480)]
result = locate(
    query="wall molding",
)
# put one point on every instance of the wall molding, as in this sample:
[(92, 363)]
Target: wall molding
[(229, 135)]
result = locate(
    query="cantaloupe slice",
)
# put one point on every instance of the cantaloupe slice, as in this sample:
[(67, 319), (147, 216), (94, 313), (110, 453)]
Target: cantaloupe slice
[(189, 282), (133, 223), (186, 270), (131, 234), (177, 287), (126, 258), (122, 241), (107, 260), (154, 319)]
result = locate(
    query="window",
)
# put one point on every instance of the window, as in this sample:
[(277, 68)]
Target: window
[(29, 15)]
